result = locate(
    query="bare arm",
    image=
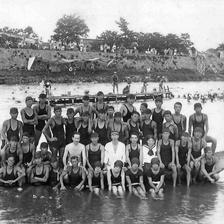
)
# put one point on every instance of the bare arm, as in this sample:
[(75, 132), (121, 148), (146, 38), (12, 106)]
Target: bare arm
[(101, 181), (204, 171), (184, 123), (176, 151), (48, 125), (190, 124), (154, 125), (123, 180), (127, 155), (173, 151), (102, 154), (65, 157), (129, 183), (4, 131), (141, 183), (206, 124), (161, 182), (141, 156), (109, 180)]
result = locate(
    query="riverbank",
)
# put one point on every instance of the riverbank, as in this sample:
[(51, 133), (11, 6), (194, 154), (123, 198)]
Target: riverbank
[(32, 77), (55, 66)]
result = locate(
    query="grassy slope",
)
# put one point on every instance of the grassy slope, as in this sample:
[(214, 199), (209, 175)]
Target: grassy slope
[(13, 64)]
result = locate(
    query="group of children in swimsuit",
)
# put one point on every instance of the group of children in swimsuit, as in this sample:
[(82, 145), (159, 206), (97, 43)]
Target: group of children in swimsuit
[(103, 148)]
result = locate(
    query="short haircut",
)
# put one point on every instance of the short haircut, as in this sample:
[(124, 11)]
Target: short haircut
[(117, 114), (57, 108), (131, 96), (85, 113), (207, 149), (178, 103), (94, 135), (13, 139), (74, 157), (147, 111), (135, 161), (42, 96), (198, 129), (118, 163), (150, 137), (97, 164), (14, 110), (29, 98), (101, 111), (44, 145), (70, 110), (110, 107), (166, 130), (135, 112), (26, 134), (100, 93), (144, 105), (75, 133), (37, 155), (85, 97), (185, 134), (134, 133), (196, 105), (167, 112), (155, 160), (159, 99)]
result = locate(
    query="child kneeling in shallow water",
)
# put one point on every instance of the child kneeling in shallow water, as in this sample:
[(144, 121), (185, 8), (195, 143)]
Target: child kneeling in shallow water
[(116, 179), (134, 177), (156, 178), (95, 179)]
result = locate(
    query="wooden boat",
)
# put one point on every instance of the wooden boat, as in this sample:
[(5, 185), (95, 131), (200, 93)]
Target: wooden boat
[(116, 98)]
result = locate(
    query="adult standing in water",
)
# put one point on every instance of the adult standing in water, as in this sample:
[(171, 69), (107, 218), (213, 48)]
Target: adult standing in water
[(43, 111), (57, 141), (11, 127), (127, 108), (199, 119), (29, 118)]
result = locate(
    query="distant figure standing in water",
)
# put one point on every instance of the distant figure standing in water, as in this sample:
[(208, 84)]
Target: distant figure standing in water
[(115, 82)]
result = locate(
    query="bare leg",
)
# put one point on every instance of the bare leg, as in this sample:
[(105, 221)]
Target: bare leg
[(114, 190)]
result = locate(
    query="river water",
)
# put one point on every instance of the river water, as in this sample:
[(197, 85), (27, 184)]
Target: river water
[(203, 203)]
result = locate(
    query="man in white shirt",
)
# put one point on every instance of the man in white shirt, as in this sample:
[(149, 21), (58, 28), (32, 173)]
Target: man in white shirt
[(74, 149), (114, 151)]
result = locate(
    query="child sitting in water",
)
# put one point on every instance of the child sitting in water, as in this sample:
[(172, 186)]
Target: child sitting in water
[(40, 172), (96, 179), (54, 175), (11, 175), (134, 177), (209, 170), (74, 176), (156, 178), (116, 179)]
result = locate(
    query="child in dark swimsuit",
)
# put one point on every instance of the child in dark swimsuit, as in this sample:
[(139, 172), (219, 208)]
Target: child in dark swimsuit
[(156, 178), (134, 177), (116, 179), (96, 180)]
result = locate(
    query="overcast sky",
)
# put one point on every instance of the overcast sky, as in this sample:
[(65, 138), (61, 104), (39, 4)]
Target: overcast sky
[(202, 19)]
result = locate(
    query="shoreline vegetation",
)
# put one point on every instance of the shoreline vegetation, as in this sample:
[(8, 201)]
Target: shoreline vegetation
[(13, 67)]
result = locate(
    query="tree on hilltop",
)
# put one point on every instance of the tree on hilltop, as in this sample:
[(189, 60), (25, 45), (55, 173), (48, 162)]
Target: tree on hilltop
[(69, 29)]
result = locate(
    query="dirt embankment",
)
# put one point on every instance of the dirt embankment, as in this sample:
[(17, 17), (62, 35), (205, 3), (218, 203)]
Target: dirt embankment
[(13, 67)]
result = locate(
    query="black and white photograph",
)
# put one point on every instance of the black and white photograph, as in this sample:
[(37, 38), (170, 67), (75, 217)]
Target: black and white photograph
[(111, 111)]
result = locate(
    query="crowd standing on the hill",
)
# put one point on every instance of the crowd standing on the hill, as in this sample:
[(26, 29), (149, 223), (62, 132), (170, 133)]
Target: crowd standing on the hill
[(96, 147)]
